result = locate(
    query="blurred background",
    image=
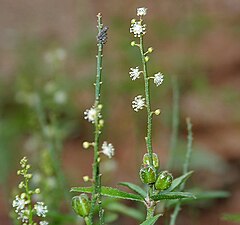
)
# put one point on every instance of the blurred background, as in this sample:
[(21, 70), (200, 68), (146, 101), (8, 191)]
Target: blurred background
[(47, 71)]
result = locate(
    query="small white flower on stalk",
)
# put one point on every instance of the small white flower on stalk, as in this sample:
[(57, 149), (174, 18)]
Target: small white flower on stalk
[(142, 11), (138, 103), (43, 223), (41, 209), (108, 149), (158, 78), (135, 73), (137, 28), (19, 203), (23, 215), (91, 114)]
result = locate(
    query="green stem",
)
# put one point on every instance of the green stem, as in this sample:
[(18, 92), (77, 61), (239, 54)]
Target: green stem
[(150, 210), (185, 170), (147, 96), (96, 195), (87, 221), (26, 183), (55, 159), (175, 122)]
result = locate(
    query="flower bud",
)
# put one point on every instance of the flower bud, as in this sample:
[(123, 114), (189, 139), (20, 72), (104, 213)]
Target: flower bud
[(100, 106), (164, 180), (157, 112), (101, 123), (146, 58), (86, 178), (150, 50), (146, 160), (133, 20), (21, 185), (81, 205), (148, 175), (86, 144), (37, 191), (133, 43)]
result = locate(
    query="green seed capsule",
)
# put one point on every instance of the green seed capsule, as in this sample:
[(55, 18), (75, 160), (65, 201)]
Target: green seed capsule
[(164, 180), (148, 175), (146, 160), (81, 205)]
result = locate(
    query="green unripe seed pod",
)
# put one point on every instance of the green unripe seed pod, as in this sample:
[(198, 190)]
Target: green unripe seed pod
[(81, 205), (148, 175), (146, 160), (164, 180)]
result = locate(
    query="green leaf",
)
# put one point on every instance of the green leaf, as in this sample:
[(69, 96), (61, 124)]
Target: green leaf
[(201, 196), (172, 195), (135, 188), (211, 195), (110, 192), (151, 221), (128, 211), (178, 181)]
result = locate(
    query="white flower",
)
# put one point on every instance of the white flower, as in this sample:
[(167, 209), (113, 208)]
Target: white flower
[(135, 73), (23, 215), (108, 149), (141, 11), (91, 114), (18, 203), (41, 209), (43, 223), (158, 78), (138, 29), (138, 103)]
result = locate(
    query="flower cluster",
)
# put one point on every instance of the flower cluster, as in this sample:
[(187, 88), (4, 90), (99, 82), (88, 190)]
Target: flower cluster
[(138, 103), (23, 204), (108, 149), (139, 29), (135, 73), (158, 78), (142, 11), (92, 114)]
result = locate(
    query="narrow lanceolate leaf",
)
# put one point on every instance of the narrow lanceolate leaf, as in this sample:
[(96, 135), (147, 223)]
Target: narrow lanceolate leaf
[(178, 181), (151, 221), (110, 192), (201, 196), (172, 195), (135, 188)]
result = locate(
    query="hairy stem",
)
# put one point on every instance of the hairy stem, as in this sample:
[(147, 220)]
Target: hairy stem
[(148, 104), (96, 195), (150, 210), (30, 217)]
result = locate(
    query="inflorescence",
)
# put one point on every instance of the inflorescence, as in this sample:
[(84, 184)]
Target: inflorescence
[(138, 28), (23, 203)]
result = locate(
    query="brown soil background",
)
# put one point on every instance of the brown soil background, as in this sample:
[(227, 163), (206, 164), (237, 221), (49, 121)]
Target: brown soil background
[(214, 109)]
